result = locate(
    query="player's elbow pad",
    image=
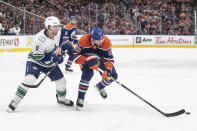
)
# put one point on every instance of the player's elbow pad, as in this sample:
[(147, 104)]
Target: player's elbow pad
[(80, 60)]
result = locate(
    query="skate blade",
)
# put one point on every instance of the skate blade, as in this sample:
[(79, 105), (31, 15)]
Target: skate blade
[(68, 72), (104, 97), (78, 108), (9, 110), (65, 106)]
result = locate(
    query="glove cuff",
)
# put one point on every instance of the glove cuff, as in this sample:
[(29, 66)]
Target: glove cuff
[(109, 66)]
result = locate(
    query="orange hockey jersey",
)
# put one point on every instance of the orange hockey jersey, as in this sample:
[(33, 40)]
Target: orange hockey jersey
[(85, 47)]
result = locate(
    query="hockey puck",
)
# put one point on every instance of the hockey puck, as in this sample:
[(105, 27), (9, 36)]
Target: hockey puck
[(188, 113)]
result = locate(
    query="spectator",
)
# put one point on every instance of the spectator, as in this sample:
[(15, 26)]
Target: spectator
[(1, 29), (165, 17), (16, 30)]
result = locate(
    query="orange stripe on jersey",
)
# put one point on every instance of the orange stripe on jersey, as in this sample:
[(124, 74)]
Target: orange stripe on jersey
[(82, 87), (59, 51), (69, 26)]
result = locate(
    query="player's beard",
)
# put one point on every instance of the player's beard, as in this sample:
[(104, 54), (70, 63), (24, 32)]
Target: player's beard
[(96, 43), (73, 23)]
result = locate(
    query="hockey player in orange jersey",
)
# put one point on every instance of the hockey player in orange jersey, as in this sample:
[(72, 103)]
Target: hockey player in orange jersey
[(93, 52)]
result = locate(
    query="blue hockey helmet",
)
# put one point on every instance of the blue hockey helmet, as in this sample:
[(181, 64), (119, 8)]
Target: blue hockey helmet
[(73, 18), (96, 33)]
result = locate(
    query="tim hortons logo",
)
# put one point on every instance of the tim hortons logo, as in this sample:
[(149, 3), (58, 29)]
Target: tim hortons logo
[(172, 40)]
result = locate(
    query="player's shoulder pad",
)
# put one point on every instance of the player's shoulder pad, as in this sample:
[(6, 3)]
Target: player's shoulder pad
[(69, 26), (106, 43), (85, 40), (39, 37)]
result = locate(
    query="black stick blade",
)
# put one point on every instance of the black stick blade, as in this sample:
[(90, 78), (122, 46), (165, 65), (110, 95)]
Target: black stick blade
[(175, 113)]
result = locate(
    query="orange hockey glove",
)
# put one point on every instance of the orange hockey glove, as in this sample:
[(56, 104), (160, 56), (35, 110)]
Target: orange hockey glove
[(107, 73)]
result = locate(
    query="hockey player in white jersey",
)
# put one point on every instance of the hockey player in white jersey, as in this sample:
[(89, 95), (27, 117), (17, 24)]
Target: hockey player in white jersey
[(42, 58)]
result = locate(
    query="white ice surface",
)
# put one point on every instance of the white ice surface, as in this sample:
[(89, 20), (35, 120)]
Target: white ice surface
[(166, 77)]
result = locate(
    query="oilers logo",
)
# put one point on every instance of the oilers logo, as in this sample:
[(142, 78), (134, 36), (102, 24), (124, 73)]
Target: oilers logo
[(72, 35)]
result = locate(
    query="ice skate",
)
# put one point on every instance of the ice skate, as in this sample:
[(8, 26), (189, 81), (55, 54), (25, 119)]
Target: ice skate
[(101, 91), (79, 104), (68, 69), (66, 102), (11, 107)]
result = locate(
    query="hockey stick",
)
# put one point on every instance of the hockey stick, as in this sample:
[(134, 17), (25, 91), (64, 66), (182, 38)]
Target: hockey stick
[(48, 73), (165, 114)]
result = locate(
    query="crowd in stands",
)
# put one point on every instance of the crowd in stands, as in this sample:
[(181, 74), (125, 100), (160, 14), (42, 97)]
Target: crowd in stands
[(147, 16), (163, 16)]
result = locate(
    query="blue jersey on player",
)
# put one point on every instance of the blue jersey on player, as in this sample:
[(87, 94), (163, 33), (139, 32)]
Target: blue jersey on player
[(68, 37), (68, 33)]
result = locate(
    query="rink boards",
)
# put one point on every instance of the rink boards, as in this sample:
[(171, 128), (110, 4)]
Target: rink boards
[(23, 43)]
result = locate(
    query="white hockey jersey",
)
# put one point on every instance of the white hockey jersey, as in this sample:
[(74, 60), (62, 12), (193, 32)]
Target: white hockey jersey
[(42, 49)]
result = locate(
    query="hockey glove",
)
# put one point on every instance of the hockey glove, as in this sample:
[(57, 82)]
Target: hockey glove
[(55, 58), (58, 56), (92, 62), (68, 48), (107, 73)]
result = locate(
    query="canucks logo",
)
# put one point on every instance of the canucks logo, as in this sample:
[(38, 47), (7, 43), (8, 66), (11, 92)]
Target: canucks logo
[(72, 35)]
